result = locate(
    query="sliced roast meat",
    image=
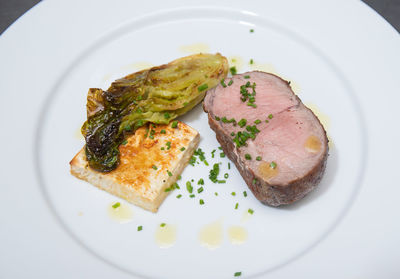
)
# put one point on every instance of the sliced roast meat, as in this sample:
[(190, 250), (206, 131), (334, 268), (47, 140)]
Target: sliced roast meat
[(278, 145)]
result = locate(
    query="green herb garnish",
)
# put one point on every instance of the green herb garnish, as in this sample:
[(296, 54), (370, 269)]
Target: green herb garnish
[(189, 187), (116, 205), (174, 124), (202, 87)]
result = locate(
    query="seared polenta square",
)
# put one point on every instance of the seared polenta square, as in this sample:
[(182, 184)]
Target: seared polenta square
[(150, 162)]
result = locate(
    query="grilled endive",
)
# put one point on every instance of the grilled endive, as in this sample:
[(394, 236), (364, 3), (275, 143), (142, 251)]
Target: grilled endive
[(155, 95)]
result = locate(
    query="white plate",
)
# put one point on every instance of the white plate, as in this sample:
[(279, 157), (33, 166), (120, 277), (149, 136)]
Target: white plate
[(58, 226)]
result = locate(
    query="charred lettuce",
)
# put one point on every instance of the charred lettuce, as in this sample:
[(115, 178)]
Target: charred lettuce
[(155, 95)]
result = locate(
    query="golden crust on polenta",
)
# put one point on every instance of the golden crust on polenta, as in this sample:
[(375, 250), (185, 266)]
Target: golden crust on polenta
[(146, 164)]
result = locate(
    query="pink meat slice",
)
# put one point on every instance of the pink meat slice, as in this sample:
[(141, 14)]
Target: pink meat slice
[(290, 136)]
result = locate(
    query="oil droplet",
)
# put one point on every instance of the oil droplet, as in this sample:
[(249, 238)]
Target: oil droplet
[(246, 216), (211, 235), (267, 171), (121, 214), (312, 144), (137, 66), (78, 134), (237, 234), (195, 48), (295, 86), (165, 236), (236, 61), (323, 118), (107, 77), (265, 67)]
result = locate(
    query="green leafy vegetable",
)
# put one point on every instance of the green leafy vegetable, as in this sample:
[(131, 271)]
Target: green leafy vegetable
[(156, 95)]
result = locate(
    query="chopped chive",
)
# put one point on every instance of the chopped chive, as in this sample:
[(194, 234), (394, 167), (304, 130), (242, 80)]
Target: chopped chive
[(154, 167), (233, 134), (272, 165), (163, 131), (254, 181), (200, 182), (139, 228), (166, 115), (266, 121), (217, 118), (124, 142), (229, 166), (219, 147), (251, 61), (242, 122), (183, 148), (162, 148), (236, 205), (251, 30), (247, 156), (127, 127), (233, 70), (230, 82), (169, 173), (116, 205), (252, 105), (192, 195), (251, 211), (168, 144), (201, 189), (201, 201), (270, 116), (189, 187), (222, 155), (246, 77), (244, 193), (179, 177), (258, 158), (192, 160), (239, 273), (216, 193), (162, 225), (258, 121), (212, 153), (226, 175), (223, 82), (202, 87), (233, 194), (206, 163), (174, 124), (179, 196)]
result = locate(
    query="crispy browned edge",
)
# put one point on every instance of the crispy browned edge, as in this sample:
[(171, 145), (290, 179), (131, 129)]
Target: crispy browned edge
[(272, 194)]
